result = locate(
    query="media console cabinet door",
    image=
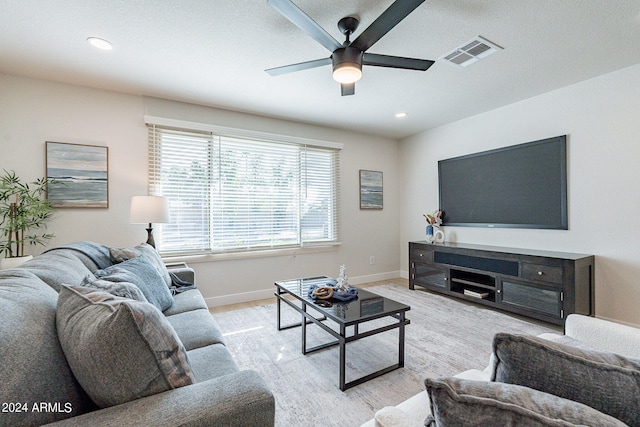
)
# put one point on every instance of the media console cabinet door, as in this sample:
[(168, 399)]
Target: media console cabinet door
[(429, 275), (547, 301)]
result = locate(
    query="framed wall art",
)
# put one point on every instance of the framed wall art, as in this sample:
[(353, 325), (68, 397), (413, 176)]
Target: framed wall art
[(370, 189), (79, 175)]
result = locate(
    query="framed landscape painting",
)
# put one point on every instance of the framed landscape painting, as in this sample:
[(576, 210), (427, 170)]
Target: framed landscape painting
[(78, 174), (370, 189)]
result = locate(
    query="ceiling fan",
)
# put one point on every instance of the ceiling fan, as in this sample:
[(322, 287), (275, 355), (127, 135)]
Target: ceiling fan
[(348, 58)]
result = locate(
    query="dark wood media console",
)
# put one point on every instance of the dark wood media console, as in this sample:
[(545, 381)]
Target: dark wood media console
[(539, 284)]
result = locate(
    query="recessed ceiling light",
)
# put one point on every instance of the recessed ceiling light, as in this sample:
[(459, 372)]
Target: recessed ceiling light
[(100, 43), (401, 115)]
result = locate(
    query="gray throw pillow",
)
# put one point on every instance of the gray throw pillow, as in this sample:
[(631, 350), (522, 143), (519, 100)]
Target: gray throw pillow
[(144, 275), (605, 381), (149, 252), (119, 289), (119, 349), (460, 402)]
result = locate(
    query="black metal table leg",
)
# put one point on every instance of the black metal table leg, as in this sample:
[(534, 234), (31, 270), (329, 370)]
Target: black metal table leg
[(278, 310), (343, 358), (304, 329), (401, 341)]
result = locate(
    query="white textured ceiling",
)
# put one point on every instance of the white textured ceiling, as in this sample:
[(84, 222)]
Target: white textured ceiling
[(214, 52)]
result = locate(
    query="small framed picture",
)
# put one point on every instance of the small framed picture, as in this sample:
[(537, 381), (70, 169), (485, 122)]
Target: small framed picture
[(79, 175), (370, 189)]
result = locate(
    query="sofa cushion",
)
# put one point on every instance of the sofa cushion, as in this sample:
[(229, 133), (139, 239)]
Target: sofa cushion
[(459, 402), (57, 267), (211, 361), (186, 301), (206, 332), (149, 252), (144, 275), (607, 382), (119, 349), (33, 367), (119, 289)]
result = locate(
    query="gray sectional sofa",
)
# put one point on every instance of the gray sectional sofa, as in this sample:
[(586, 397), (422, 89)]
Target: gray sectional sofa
[(82, 346), (590, 376)]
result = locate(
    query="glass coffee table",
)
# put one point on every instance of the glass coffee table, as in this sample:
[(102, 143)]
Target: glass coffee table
[(367, 307)]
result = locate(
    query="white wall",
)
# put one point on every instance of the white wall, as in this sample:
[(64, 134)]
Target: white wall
[(600, 117), (35, 111)]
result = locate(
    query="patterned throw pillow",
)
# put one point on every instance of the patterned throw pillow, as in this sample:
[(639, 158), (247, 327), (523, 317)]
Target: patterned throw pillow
[(118, 289), (149, 252), (460, 402), (119, 349), (143, 274), (605, 381)]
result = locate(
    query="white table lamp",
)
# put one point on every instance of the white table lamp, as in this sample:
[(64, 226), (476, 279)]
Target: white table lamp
[(149, 210)]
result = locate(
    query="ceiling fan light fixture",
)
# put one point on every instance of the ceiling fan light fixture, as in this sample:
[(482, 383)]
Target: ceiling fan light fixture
[(347, 65), (347, 73)]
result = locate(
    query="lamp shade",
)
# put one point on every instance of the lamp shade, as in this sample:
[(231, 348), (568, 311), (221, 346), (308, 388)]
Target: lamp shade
[(149, 209)]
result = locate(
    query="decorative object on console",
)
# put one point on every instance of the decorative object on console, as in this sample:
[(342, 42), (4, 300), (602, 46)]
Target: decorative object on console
[(23, 208), (149, 209), (79, 174), (429, 232), (433, 221)]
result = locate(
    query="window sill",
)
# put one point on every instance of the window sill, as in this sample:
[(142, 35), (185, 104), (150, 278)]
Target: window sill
[(211, 257)]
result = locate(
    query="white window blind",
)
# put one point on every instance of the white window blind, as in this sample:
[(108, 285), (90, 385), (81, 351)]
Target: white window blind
[(231, 194)]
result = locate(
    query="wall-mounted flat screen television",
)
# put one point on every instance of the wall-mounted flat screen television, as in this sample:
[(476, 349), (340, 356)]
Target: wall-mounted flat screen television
[(521, 186)]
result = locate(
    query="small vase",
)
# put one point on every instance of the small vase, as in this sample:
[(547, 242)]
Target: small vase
[(6, 263), (429, 233)]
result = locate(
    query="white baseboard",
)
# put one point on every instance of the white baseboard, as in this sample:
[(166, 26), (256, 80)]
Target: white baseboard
[(268, 293), (239, 298), (358, 280)]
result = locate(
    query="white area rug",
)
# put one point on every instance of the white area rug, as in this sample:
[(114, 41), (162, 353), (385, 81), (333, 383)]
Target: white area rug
[(445, 337)]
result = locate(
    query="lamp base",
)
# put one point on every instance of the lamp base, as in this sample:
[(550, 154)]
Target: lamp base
[(150, 240)]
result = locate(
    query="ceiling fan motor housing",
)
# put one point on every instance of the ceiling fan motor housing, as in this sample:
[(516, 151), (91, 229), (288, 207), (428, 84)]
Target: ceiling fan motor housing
[(347, 55), (347, 64)]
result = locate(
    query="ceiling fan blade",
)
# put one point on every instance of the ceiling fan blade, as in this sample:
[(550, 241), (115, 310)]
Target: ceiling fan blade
[(347, 89), (385, 22), (301, 20), (298, 67), (396, 62)]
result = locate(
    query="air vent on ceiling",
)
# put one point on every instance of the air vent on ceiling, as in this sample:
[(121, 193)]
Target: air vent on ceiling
[(471, 52)]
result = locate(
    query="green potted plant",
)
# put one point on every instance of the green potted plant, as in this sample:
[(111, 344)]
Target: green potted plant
[(24, 211)]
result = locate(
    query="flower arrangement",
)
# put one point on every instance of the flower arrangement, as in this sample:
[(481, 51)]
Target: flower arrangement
[(434, 219)]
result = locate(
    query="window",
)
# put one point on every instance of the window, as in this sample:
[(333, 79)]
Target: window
[(233, 193)]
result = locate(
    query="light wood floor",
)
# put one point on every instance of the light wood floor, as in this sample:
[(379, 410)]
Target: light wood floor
[(257, 303)]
